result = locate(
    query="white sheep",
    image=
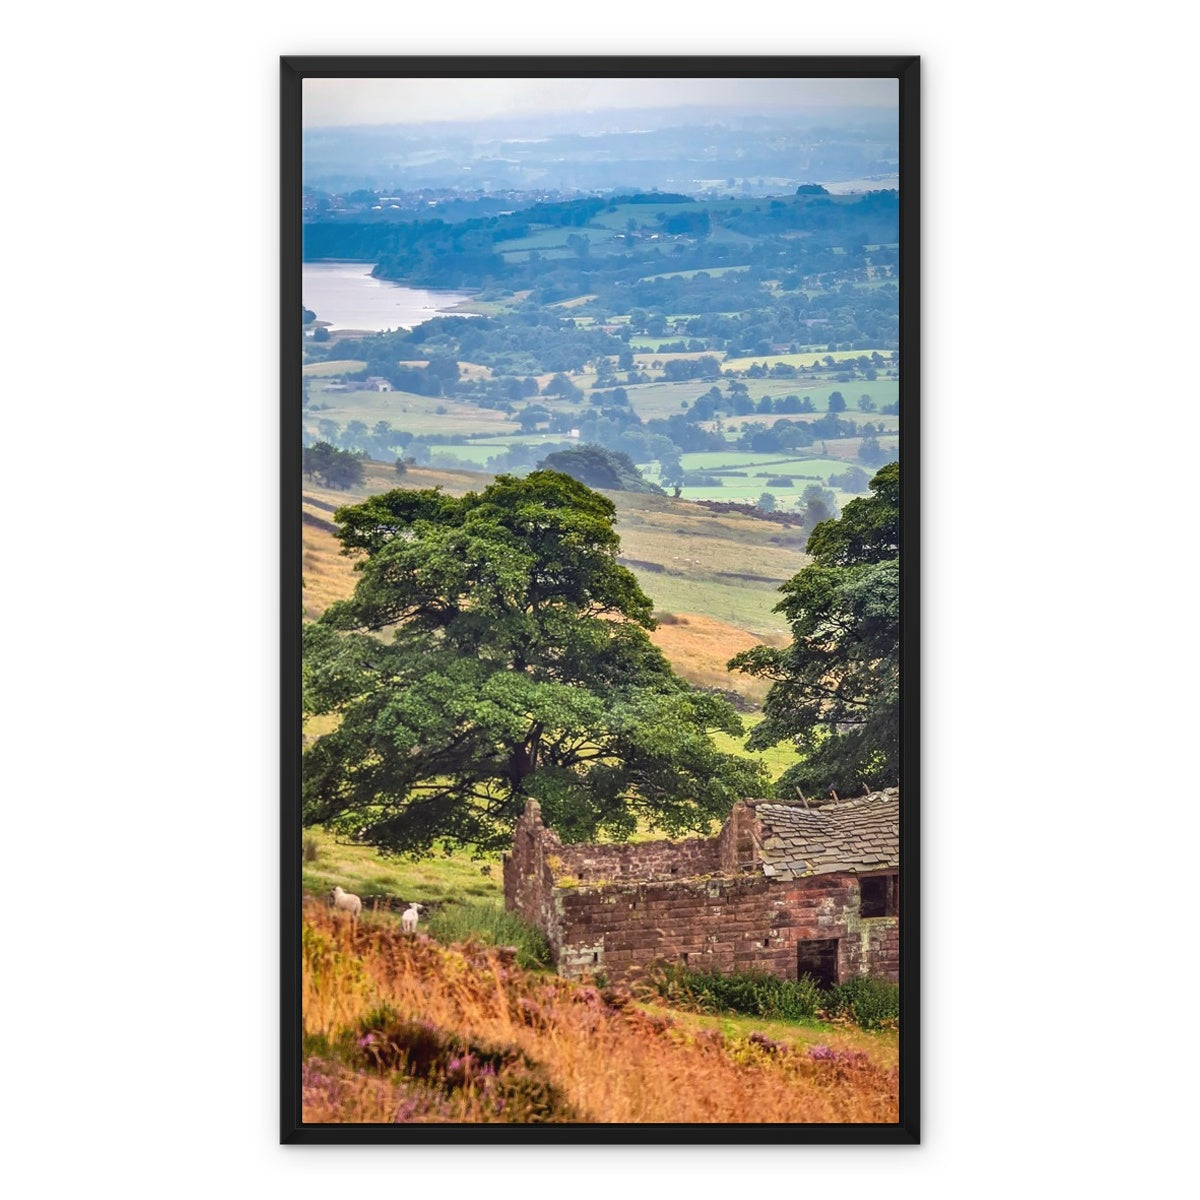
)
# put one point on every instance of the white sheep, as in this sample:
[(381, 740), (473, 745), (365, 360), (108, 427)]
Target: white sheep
[(408, 920), (346, 902)]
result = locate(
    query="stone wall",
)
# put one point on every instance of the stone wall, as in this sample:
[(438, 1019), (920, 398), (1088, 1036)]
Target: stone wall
[(720, 924), (730, 918)]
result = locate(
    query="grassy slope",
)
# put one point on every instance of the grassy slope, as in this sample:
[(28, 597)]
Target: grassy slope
[(605, 1057), (434, 881), (699, 563)]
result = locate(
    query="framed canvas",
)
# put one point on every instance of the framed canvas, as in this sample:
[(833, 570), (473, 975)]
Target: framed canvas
[(600, 780)]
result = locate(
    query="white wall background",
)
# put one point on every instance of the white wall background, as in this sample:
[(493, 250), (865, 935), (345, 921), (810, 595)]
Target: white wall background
[(141, 596)]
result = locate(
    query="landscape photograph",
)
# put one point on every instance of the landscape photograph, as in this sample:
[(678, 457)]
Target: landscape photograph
[(592, 809)]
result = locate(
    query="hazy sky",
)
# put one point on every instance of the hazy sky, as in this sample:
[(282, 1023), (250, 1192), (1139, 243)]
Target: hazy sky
[(395, 101)]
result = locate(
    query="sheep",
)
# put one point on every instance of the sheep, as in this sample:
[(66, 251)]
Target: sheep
[(408, 920), (346, 902)]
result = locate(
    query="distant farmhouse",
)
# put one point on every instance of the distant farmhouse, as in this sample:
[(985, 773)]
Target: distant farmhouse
[(785, 888)]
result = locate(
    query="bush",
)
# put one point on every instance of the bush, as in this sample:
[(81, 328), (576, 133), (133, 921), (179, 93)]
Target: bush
[(755, 993), (491, 925), (869, 1003)]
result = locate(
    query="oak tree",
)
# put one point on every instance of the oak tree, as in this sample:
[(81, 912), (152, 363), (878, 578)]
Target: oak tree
[(493, 650)]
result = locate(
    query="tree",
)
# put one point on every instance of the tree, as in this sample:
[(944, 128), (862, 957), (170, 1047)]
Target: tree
[(871, 452), (670, 471), (598, 468), (835, 690), (817, 504), (852, 479), (337, 468), (519, 666), (837, 402), (768, 503)]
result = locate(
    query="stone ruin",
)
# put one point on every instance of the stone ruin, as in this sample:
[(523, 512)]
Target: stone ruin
[(786, 888)]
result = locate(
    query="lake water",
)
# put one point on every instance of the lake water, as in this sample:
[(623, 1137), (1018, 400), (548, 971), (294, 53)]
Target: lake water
[(347, 296)]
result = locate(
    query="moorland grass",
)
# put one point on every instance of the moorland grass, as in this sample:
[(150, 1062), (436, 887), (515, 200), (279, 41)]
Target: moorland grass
[(401, 1029)]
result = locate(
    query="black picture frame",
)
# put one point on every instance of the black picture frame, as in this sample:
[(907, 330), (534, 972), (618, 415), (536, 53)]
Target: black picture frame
[(293, 71)]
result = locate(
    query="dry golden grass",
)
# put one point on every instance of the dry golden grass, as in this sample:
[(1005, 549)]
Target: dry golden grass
[(328, 574), (698, 647), (596, 1052)]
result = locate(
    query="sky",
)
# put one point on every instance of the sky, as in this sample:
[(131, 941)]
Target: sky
[(330, 102)]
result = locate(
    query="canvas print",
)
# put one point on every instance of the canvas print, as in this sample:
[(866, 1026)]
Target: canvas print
[(593, 808)]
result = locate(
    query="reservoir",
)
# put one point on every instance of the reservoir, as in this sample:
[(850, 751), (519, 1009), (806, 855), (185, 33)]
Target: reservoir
[(347, 296)]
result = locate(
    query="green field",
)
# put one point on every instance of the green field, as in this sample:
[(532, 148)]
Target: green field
[(805, 359), (776, 759), (714, 272), (333, 366), (404, 410)]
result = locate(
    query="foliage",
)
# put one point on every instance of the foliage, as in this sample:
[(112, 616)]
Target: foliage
[(757, 993), (519, 666), (835, 690), (869, 1003), (598, 468), (853, 479), (340, 469)]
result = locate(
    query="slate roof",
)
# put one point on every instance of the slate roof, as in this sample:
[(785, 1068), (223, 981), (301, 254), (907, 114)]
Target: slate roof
[(861, 834)]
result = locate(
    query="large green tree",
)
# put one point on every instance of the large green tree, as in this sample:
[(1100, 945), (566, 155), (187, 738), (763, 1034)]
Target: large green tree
[(495, 650), (835, 691)]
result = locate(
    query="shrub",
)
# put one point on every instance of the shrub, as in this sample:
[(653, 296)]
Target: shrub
[(490, 925), (311, 850), (755, 993), (869, 1003)]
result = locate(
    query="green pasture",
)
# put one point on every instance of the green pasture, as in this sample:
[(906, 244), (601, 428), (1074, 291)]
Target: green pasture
[(741, 491), (776, 759), (805, 359), (405, 411), (772, 464), (715, 272), (746, 605), (662, 399), (646, 215), (335, 366), (469, 454), (882, 391), (438, 879), (515, 256)]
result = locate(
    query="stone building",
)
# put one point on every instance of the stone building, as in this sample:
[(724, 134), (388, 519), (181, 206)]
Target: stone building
[(782, 887)]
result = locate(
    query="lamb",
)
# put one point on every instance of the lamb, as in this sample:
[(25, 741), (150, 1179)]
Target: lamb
[(346, 902), (408, 920)]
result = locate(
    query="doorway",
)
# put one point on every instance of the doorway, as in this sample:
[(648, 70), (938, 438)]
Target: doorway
[(818, 958)]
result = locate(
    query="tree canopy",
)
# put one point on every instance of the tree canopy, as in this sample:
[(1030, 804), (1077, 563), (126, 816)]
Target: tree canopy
[(337, 468), (518, 665), (599, 468), (835, 690)]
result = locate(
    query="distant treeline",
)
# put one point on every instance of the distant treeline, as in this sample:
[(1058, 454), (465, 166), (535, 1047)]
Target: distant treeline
[(809, 233)]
